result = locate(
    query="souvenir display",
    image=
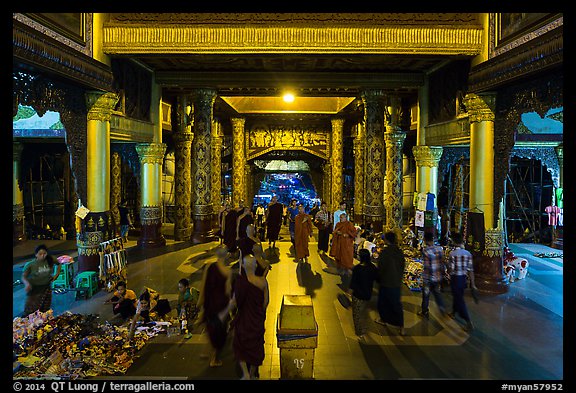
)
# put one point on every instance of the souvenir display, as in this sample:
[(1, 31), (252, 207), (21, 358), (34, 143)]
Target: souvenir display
[(113, 263), (413, 274), (73, 346)]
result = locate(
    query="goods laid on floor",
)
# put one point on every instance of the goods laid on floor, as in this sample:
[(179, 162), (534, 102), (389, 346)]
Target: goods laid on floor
[(72, 346)]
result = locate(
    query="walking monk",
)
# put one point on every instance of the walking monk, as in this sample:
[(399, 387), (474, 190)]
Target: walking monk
[(342, 249), (302, 234), (274, 215)]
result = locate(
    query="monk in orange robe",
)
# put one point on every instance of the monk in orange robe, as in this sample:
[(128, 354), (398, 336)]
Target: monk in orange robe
[(302, 234), (342, 249)]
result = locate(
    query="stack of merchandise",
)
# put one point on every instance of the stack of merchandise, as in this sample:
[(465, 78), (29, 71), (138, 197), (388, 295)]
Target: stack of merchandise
[(413, 274), (73, 346)]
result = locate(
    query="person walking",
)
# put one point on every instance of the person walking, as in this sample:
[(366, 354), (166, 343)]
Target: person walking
[(250, 298), (274, 216), (292, 213), (460, 267), (361, 285), (432, 274), (37, 277), (338, 213), (302, 234), (323, 221), (229, 228), (391, 263), (251, 245), (342, 249), (259, 215), (244, 219), (125, 221), (215, 293)]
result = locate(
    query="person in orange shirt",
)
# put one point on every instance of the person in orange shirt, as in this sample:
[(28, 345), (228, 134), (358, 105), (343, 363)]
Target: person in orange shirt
[(123, 301)]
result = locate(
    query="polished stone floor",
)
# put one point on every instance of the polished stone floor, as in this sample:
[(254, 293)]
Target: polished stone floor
[(519, 335)]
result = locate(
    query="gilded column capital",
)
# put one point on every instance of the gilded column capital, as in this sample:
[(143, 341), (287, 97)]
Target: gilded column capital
[(337, 123), (181, 137), (480, 107), (203, 99), (427, 155), (394, 135), (238, 123), (17, 151), (151, 153), (100, 105)]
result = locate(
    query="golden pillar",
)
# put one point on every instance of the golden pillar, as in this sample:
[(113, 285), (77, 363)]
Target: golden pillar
[(427, 159), (238, 161), (96, 223), (488, 268), (394, 139), (151, 156), (337, 161), (182, 137), (202, 166), (374, 177), (359, 152), (18, 225), (115, 191), (481, 114), (217, 135)]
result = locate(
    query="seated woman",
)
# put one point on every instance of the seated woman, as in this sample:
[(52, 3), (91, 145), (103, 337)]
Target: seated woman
[(149, 307)]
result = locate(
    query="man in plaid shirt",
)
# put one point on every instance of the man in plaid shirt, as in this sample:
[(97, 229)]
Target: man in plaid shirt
[(460, 266), (432, 274)]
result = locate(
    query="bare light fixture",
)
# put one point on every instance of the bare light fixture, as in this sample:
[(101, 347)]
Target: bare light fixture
[(288, 97)]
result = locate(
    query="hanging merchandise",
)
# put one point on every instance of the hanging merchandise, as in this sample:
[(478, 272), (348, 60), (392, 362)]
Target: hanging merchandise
[(430, 219), (430, 201), (419, 219), (553, 213), (422, 201), (560, 197), (112, 263)]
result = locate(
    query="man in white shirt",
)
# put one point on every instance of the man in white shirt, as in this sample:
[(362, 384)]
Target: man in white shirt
[(339, 212)]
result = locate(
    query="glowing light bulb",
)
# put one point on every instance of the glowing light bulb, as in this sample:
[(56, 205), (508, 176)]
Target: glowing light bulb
[(288, 97)]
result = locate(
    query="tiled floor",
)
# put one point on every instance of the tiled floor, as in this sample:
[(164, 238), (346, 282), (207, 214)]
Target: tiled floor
[(518, 336)]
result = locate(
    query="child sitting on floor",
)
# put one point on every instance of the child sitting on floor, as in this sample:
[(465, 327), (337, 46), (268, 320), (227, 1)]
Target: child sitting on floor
[(186, 307)]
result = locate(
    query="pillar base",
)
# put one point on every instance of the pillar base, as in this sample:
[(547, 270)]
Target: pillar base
[(203, 231), (89, 263), (151, 236), (488, 275), (18, 235), (182, 234)]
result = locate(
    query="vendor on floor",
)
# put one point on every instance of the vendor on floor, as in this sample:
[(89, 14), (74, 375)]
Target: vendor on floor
[(123, 301), (37, 277)]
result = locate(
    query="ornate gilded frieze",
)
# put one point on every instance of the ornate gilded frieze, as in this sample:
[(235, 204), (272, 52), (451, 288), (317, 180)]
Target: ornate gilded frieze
[(236, 37), (480, 107), (428, 156), (546, 155), (150, 215), (100, 105), (200, 211), (263, 139)]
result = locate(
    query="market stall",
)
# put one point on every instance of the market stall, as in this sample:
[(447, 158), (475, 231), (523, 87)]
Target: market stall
[(72, 346)]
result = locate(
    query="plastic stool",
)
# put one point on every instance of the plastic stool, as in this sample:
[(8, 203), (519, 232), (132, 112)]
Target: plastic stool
[(64, 279), (86, 283)]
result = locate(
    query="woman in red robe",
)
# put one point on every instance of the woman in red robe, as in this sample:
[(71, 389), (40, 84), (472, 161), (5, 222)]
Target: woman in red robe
[(302, 234), (342, 249)]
